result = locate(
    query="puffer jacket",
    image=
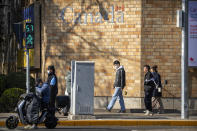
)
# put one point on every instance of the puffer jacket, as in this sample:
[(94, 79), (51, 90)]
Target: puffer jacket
[(149, 81), (120, 78)]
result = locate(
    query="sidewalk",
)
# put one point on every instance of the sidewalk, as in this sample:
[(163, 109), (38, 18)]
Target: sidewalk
[(103, 118)]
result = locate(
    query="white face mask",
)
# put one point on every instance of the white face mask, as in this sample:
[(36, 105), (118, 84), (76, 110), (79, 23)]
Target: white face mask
[(48, 71), (115, 67)]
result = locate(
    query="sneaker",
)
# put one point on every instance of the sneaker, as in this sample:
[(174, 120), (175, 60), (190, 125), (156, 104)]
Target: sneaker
[(160, 112), (108, 109), (123, 111), (145, 111), (120, 111), (27, 126), (34, 126), (148, 113)]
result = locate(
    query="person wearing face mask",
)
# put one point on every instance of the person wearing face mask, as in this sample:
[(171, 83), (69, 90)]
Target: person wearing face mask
[(119, 85), (43, 95), (157, 94), (52, 81), (43, 90), (149, 86)]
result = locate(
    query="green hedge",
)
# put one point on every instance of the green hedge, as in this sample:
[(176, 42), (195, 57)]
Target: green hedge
[(11, 87), (2, 83), (9, 99)]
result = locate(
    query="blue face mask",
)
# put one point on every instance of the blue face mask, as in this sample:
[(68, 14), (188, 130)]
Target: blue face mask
[(39, 86)]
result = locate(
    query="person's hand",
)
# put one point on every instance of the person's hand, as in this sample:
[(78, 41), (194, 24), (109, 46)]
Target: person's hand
[(125, 92)]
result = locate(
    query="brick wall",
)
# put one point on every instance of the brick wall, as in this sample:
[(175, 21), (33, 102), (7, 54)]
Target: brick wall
[(192, 80), (100, 42), (161, 44), (147, 35)]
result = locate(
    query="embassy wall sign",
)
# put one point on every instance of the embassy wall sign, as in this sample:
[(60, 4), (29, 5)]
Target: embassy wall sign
[(70, 15), (192, 33)]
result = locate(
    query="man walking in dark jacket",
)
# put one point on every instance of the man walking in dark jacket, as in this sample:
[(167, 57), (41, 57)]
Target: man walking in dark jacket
[(148, 89), (52, 81), (119, 85)]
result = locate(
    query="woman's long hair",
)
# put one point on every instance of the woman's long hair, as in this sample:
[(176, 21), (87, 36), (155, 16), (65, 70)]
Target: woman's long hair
[(154, 68)]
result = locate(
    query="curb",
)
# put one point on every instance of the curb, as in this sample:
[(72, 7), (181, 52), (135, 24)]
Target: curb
[(121, 123)]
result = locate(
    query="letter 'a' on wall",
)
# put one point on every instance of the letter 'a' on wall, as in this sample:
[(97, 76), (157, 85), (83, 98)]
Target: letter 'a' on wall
[(192, 33)]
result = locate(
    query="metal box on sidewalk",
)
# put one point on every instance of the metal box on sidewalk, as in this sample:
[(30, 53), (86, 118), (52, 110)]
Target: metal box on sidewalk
[(82, 91)]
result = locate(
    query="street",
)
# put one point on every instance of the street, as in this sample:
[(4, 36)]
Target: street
[(113, 128)]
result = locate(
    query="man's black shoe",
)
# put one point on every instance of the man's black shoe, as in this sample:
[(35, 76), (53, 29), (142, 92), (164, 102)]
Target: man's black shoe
[(120, 111)]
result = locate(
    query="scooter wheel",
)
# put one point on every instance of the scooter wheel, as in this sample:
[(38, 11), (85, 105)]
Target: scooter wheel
[(12, 122), (51, 123)]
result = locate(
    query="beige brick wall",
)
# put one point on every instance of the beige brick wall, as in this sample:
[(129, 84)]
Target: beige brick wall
[(99, 42), (192, 80), (148, 35), (161, 44)]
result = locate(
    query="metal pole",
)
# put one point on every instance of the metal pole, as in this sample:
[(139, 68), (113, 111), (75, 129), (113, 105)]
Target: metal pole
[(27, 72), (184, 63)]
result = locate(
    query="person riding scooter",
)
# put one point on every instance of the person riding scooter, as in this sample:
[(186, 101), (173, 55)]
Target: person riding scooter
[(29, 106), (43, 92)]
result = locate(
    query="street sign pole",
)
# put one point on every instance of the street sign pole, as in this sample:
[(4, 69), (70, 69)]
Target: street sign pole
[(27, 72), (29, 41), (184, 62)]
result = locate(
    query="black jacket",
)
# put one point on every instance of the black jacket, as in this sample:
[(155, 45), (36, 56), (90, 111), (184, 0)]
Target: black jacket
[(148, 81), (157, 78), (120, 77), (53, 88)]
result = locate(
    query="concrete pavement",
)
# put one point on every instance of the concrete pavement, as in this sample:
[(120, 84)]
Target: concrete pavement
[(103, 118), (110, 128)]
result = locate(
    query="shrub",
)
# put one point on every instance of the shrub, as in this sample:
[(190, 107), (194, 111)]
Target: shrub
[(9, 99)]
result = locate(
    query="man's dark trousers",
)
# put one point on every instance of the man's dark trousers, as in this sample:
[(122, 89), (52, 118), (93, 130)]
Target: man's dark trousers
[(148, 99)]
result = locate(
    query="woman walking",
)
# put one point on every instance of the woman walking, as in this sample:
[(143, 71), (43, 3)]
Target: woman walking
[(157, 92)]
